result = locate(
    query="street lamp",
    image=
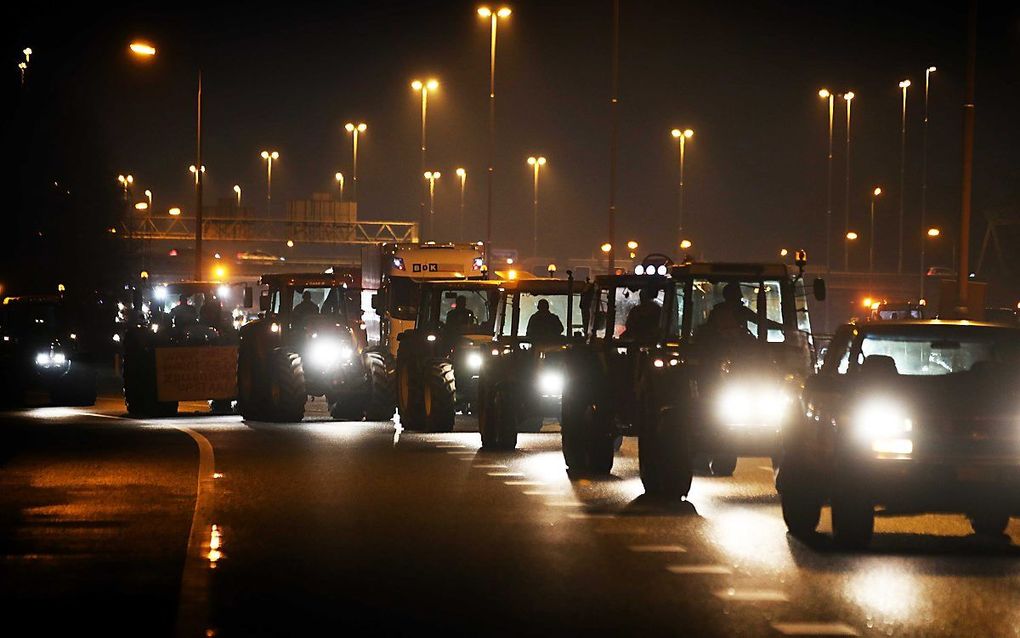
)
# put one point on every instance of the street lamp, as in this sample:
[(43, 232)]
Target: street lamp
[(174, 212), (536, 163), (340, 184), (148, 196), (606, 248), (681, 136), (145, 51), (871, 239), (191, 169), (924, 168), (431, 177), (492, 16), (423, 88), (847, 98), (270, 157), (827, 95), (125, 183), (237, 191), (355, 130), (462, 174), (934, 232), (903, 164)]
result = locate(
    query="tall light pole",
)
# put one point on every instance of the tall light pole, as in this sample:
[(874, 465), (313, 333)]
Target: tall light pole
[(871, 236), (681, 136), (848, 98), (462, 174), (903, 166), (536, 163), (237, 191), (423, 88), (340, 184), (194, 171), (827, 95), (493, 17), (355, 130), (145, 51), (270, 157), (924, 169), (431, 177), (126, 182)]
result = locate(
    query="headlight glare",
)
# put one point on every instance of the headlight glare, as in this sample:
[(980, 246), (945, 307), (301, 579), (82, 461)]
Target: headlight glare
[(474, 360), (550, 383), (748, 405)]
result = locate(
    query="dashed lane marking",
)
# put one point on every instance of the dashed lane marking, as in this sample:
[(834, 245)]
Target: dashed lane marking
[(505, 474), (752, 595), (814, 629), (721, 570), (564, 504), (104, 416), (466, 453), (544, 492), (489, 466), (450, 447), (532, 483), (658, 549)]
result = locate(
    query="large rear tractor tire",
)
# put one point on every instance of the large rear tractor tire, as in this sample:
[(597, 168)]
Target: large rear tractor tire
[(140, 394), (285, 400), (665, 459), (588, 446), (440, 397), (251, 384), (496, 421), (410, 397), (381, 394), (801, 502)]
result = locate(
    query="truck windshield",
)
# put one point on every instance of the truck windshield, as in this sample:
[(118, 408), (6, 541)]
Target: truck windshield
[(924, 352), (728, 309)]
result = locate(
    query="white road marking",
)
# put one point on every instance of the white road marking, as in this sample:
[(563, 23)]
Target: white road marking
[(505, 474), (720, 570), (752, 595), (490, 466), (814, 629), (564, 504), (543, 492), (534, 483), (446, 447), (587, 516), (193, 605), (658, 549), (467, 453), (104, 416)]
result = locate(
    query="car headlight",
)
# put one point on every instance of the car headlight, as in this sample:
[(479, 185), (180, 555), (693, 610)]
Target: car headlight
[(474, 360), (550, 383), (885, 426), (743, 405), (327, 353), (50, 359)]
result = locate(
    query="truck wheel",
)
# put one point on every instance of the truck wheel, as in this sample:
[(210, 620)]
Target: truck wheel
[(285, 400), (853, 517), (989, 523), (664, 458), (802, 506), (409, 397), (588, 446), (140, 385), (251, 379), (439, 397), (723, 465), (496, 421), (380, 406)]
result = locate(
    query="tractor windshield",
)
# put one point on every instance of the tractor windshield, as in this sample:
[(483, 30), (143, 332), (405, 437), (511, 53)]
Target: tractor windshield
[(543, 317), (329, 301), (727, 309), (463, 311)]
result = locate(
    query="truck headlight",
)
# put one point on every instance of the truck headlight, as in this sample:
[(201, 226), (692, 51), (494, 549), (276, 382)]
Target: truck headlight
[(747, 405), (550, 383), (328, 353), (885, 427), (474, 361)]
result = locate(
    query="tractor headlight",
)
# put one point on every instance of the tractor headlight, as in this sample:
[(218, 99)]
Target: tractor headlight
[(550, 383), (885, 426), (328, 353), (52, 359), (750, 405), (474, 360)]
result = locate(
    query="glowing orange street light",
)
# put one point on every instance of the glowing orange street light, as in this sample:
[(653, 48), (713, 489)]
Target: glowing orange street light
[(355, 130), (851, 235), (142, 49), (606, 248), (685, 244), (934, 232)]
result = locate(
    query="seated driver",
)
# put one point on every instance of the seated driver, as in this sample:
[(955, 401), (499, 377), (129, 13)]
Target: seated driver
[(183, 313), (730, 318), (544, 325), (460, 316), (643, 320)]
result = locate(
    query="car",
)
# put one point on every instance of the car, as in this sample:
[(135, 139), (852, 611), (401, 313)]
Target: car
[(909, 416), (521, 377), (41, 357)]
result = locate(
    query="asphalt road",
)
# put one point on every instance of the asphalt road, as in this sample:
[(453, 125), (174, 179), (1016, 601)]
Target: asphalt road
[(329, 528)]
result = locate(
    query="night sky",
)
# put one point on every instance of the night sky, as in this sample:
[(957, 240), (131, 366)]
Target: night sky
[(743, 75)]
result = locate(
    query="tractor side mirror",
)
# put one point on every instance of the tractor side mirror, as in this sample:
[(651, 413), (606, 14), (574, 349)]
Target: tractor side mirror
[(819, 288), (264, 301), (249, 295), (376, 301)]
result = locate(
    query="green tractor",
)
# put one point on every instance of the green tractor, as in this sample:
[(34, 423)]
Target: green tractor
[(439, 360), (310, 341)]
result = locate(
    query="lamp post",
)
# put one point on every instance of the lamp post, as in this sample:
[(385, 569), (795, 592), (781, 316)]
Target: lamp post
[(632, 247), (924, 169), (536, 163), (340, 184), (194, 171), (871, 238), (462, 174), (903, 165), (681, 137), (270, 157), (125, 182), (355, 130), (423, 88), (237, 191), (827, 95), (431, 177), (148, 197), (848, 99), (493, 17)]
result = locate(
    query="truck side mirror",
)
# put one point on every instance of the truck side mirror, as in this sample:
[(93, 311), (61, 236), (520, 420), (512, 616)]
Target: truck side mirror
[(264, 301), (248, 297), (819, 288)]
